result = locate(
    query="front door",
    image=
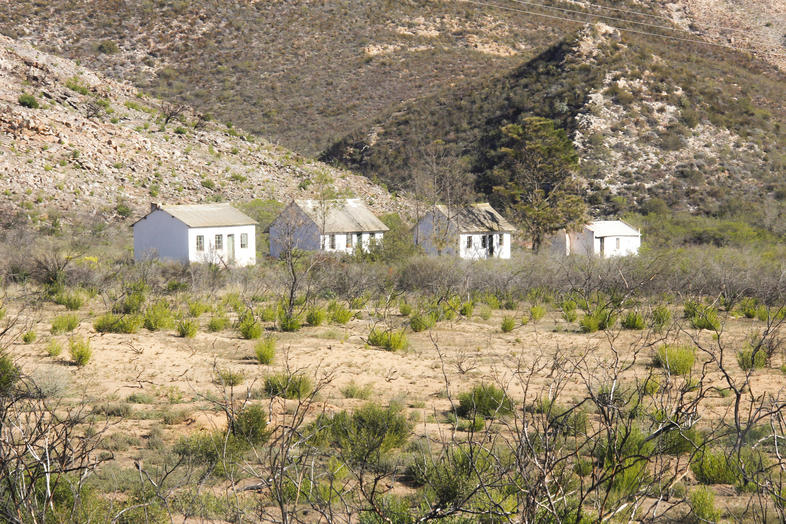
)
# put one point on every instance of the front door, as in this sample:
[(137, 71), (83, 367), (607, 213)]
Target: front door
[(490, 244), (231, 248)]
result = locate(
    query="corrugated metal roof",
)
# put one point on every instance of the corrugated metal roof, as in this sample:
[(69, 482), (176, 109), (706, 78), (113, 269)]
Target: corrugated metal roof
[(343, 216), (612, 228), (477, 218), (208, 215)]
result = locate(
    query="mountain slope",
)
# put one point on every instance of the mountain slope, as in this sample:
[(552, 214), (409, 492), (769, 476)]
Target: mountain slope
[(696, 128), (101, 147)]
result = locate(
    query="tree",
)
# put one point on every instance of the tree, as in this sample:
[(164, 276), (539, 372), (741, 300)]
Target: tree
[(537, 183)]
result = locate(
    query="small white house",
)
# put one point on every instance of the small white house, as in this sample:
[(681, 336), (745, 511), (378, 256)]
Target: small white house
[(604, 238), (333, 226), (215, 233), (472, 232)]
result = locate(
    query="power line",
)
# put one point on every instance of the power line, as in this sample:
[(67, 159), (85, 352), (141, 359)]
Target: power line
[(634, 31)]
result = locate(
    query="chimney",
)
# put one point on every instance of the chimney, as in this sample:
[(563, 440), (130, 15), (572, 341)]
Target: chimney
[(154, 206)]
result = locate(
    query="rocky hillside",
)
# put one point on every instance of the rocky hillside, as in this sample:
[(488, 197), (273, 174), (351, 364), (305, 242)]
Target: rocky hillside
[(74, 141), (702, 130), (304, 73)]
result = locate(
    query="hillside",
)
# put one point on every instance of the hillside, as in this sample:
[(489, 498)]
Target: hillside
[(102, 147), (701, 129), (304, 73)]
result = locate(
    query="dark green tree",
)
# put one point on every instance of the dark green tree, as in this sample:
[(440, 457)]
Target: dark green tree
[(537, 186)]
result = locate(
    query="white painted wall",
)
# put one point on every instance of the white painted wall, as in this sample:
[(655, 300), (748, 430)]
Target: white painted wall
[(292, 229), (243, 256), (160, 235), (436, 237), (478, 251), (585, 243), (617, 246), (341, 242)]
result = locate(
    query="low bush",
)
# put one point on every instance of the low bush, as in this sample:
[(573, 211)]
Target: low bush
[(196, 308), (713, 467), (112, 323), (140, 398), (248, 327), (566, 421), (265, 350), (28, 100), (112, 409), (158, 316), (405, 309), (705, 317), (485, 312), (229, 378), (537, 312), (28, 337), (352, 390), (64, 324), (661, 315), (568, 308), (389, 340), (340, 314), (508, 323), (634, 320), (288, 323), (267, 314), (466, 309), (80, 351), (486, 400), (600, 319), (187, 328), (132, 302), (50, 381), (251, 425), (677, 360), (54, 348), (288, 385), (72, 300), (422, 321), (751, 357), (315, 316), (702, 505), (9, 375), (217, 323), (748, 307)]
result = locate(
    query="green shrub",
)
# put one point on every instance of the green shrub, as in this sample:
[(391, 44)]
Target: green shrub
[(315, 316), (80, 351), (133, 300), (64, 324), (265, 350), (748, 307), (251, 425), (217, 323), (158, 316), (713, 467), (287, 323), (661, 315), (140, 398), (422, 321), (248, 326), (28, 337), (706, 318), (108, 47), (678, 360), (54, 348), (229, 378), (537, 312), (566, 421), (466, 309), (72, 300), (352, 390), (471, 425), (28, 100), (679, 441), (508, 323), (486, 400), (340, 315), (485, 312), (288, 385), (405, 309), (568, 308), (633, 320), (600, 319), (751, 357), (197, 308), (702, 505), (111, 323), (9, 375), (267, 314), (389, 340), (112, 409), (187, 328)]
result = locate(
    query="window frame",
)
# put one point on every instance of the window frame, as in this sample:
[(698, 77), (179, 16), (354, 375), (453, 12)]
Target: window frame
[(243, 240), (469, 241), (501, 241), (200, 243), (348, 243), (483, 241), (219, 242), (333, 241)]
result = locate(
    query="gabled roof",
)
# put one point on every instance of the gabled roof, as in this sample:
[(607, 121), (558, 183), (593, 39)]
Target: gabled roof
[(476, 218), (342, 216), (612, 228), (204, 215)]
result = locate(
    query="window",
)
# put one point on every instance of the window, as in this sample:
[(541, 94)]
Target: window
[(349, 240), (200, 242), (360, 238), (332, 241), (243, 240), (469, 241), (618, 243), (501, 239), (219, 241), (483, 241)]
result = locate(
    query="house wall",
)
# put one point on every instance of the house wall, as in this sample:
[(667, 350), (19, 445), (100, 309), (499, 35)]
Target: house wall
[(341, 242), (292, 228), (561, 243), (211, 254), (436, 237), (628, 245), (477, 251), (160, 235), (583, 243)]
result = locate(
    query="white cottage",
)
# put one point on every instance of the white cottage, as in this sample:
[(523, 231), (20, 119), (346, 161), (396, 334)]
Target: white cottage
[(334, 226), (604, 238), (472, 232), (215, 233)]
